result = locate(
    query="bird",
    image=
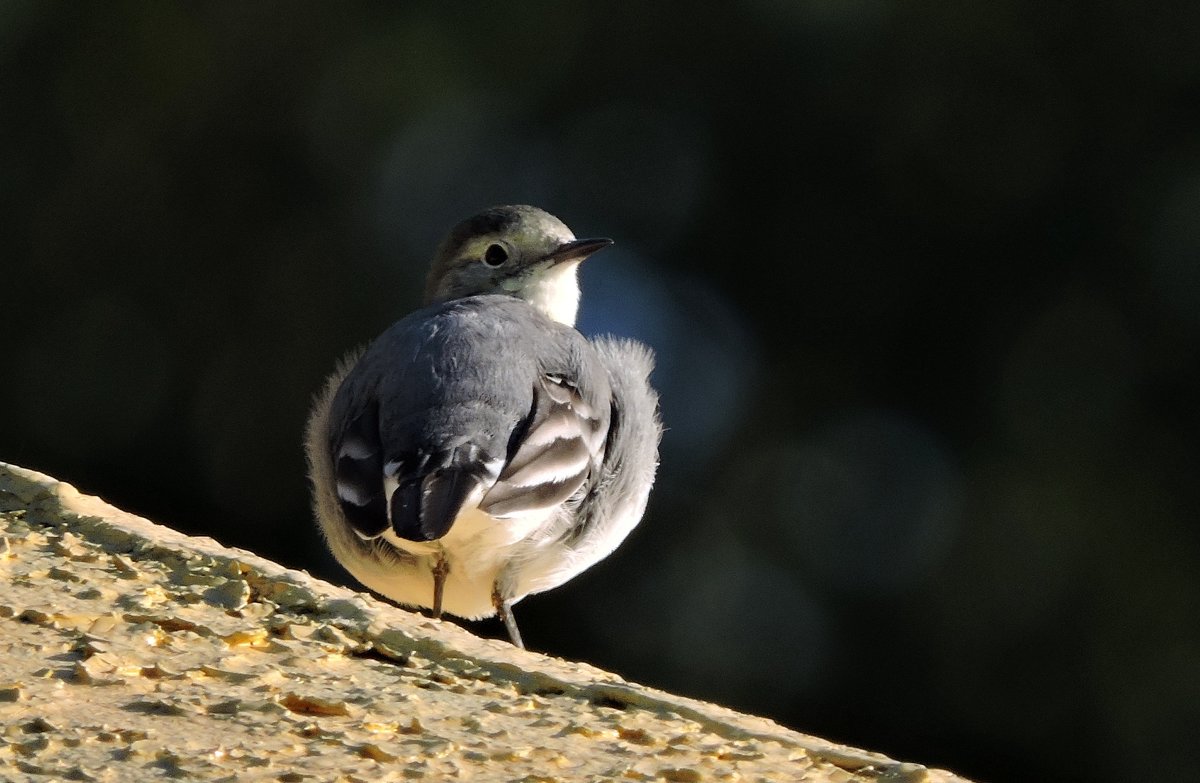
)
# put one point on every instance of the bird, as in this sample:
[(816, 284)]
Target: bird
[(481, 449)]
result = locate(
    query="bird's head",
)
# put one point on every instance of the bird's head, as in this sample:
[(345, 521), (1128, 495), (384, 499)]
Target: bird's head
[(520, 251)]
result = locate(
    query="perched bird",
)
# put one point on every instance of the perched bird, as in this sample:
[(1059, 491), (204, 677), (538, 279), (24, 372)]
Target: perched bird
[(481, 449)]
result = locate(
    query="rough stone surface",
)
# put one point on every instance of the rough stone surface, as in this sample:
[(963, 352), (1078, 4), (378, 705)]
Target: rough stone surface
[(131, 652)]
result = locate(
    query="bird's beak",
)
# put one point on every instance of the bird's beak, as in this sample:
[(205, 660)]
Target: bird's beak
[(576, 250)]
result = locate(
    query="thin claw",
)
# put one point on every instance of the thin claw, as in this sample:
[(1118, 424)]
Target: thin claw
[(504, 609), (439, 585)]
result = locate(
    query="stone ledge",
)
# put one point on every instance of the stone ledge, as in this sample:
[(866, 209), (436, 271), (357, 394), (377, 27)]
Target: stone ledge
[(130, 652)]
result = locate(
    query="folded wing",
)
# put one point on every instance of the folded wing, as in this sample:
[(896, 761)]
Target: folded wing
[(557, 448)]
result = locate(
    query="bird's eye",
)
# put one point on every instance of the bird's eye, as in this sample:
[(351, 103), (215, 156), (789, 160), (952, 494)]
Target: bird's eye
[(495, 255)]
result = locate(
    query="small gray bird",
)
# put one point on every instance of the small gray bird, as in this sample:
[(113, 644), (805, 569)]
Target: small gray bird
[(481, 449)]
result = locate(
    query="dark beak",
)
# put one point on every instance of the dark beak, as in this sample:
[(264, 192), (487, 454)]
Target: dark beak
[(576, 250)]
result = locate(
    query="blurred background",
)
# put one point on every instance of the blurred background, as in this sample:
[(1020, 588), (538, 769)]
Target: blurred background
[(923, 279)]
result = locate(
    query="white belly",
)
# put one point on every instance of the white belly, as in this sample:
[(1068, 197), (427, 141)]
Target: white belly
[(477, 549)]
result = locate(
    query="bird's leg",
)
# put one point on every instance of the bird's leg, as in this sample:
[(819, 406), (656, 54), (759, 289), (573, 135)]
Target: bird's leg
[(504, 609), (440, 569)]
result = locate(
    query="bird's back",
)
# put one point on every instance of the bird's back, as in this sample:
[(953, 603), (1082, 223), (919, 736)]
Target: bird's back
[(429, 419)]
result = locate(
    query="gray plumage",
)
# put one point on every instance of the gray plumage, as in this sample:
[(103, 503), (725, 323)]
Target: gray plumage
[(481, 449)]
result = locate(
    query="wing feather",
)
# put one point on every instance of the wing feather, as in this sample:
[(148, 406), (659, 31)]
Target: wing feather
[(554, 456)]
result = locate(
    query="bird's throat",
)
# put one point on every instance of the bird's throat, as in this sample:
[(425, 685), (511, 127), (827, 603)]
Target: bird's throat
[(554, 292)]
